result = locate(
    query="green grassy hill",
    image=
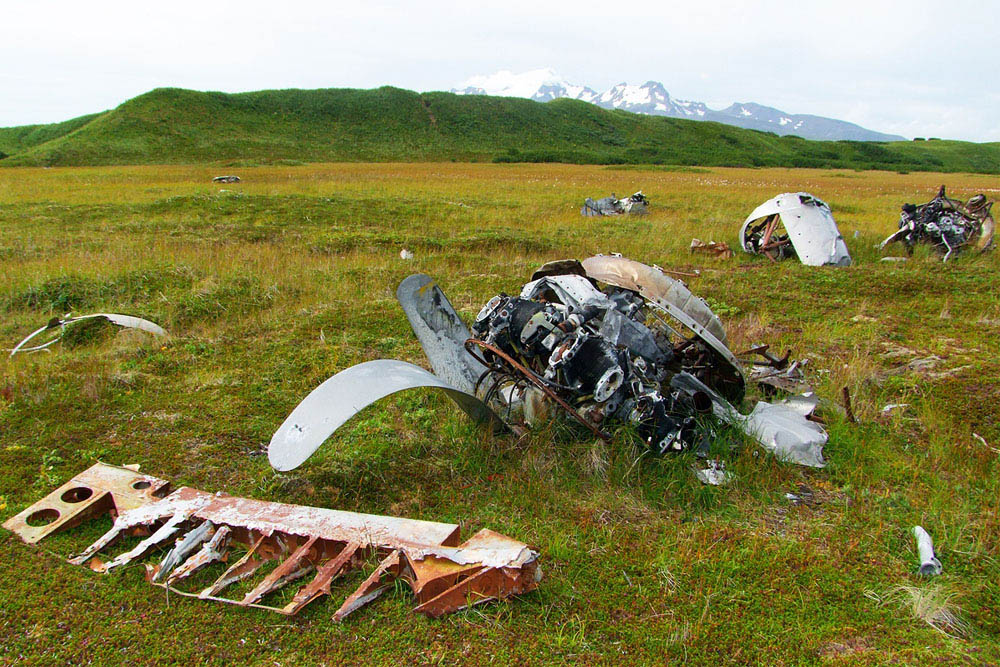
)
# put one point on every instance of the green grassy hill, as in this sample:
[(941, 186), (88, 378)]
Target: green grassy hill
[(173, 126)]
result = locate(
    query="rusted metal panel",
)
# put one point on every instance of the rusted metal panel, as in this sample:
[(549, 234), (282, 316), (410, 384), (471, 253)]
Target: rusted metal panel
[(428, 555)]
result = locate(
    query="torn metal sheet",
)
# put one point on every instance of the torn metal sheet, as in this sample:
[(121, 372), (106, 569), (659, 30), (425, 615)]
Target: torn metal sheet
[(60, 323), (929, 564), (636, 204), (946, 224), (714, 473), (795, 224), (605, 340), (781, 428), (309, 544), (440, 331), (719, 250), (226, 179), (345, 394)]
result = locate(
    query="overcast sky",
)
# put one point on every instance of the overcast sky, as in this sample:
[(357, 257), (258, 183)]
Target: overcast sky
[(915, 68)]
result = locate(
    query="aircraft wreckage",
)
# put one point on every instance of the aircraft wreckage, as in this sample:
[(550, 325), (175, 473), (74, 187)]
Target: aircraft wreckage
[(54, 330), (795, 225), (602, 342), (946, 224), (277, 544), (636, 204)]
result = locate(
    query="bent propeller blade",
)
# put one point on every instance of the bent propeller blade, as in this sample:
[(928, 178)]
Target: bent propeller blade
[(348, 392)]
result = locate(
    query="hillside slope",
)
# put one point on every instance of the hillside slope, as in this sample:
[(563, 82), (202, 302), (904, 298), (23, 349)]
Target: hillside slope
[(19, 139), (171, 126)]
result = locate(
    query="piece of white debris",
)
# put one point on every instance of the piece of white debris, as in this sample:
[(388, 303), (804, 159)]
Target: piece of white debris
[(715, 474), (929, 564), (405, 254), (888, 409), (894, 259)]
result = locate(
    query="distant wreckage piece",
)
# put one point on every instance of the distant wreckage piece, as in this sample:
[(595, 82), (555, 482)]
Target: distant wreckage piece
[(795, 224), (60, 323), (198, 529), (946, 224), (605, 341), (226, 179), (718, 249), (636, 204)]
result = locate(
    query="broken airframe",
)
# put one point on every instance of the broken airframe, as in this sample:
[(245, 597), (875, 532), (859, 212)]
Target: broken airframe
[(604, 341), (636, 204), (248, 535), (795, 224), (946, 224)]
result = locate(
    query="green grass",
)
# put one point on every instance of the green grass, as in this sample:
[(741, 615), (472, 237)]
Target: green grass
[(270, 286), (175, 126)]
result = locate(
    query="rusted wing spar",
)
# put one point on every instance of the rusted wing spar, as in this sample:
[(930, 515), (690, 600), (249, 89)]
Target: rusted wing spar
[(308, 543)]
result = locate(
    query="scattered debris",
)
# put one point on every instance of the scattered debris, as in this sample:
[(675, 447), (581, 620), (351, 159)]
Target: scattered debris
[(776, 374), (795, 224), (226, 179), (863, 318), (985, 444), (845, 394), (636, 204), (887, 410), (719, 250), (60, 323), (895, 259), (405, 254), (445, 574), (948, 225), (714, 474), (604, 340), (929, 564)]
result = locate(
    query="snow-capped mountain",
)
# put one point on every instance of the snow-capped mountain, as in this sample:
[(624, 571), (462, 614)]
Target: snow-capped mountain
[(545, 85), (541, 85)]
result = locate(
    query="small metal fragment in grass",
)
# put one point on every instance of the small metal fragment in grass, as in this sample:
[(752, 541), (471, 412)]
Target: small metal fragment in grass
[(714, 474), (929, 564)]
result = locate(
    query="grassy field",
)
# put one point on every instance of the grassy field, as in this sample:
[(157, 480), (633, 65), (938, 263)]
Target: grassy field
[(270, 286), (175, 126)]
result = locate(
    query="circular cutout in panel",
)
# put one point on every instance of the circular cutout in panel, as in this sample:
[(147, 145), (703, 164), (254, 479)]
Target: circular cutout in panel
[(77, 494), (42, 517), (141, 484)]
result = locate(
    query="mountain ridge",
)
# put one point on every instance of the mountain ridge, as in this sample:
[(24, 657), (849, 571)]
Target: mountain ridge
[(178, 126), (652, 98)]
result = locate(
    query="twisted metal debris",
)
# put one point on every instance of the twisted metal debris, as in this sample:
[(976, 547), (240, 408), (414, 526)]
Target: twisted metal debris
[(604, 341), (946, 224), (312, 544), (636, 204), (795, 225), (60, 323)]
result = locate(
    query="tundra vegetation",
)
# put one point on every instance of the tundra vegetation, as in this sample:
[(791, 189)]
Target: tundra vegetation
[(176, 126), (270, 286)]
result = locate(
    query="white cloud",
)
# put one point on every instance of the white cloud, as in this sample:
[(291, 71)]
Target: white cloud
[(885, 65)]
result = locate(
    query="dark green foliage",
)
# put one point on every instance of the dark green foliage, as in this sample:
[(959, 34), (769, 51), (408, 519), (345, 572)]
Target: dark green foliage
[(175, 126)]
